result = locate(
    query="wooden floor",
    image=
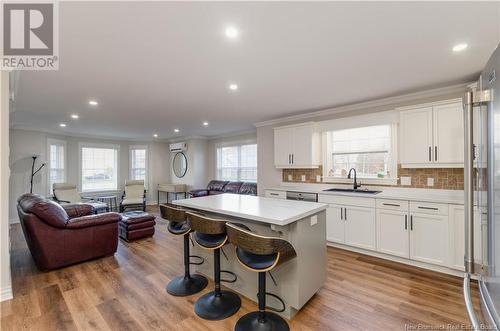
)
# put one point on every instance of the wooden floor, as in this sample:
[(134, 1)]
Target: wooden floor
[(126, 292)]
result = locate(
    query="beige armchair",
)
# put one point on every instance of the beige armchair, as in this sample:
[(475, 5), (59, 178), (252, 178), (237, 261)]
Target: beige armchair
[(67, 193), (134, 195)]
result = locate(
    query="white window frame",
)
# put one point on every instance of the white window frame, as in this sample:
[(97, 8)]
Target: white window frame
[(82, 145), (393, 166), (52, 141), (238, 143), (146, 175)]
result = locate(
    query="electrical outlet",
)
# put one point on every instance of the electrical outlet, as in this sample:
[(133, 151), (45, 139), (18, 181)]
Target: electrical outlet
[(314, 220), (430, 181), (290, 178), (318, 178), (406, 181), (303, 178)]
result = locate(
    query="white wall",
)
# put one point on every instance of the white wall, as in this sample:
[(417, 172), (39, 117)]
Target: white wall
[(25, 143), (269, 176), (5, 277), (197, 160)]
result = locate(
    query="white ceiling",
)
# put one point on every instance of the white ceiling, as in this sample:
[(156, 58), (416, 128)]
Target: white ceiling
[(158, 66)]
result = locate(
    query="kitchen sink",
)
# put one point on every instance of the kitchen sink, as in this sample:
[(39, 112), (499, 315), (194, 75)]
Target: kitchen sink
[(350, 190)]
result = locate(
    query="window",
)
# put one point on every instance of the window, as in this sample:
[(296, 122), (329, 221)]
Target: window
[(57, 162), (237, 163), (368, 149), (99, 167), (139, 163)]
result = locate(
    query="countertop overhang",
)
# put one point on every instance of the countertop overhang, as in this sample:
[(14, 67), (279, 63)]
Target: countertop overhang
[(260, 209)]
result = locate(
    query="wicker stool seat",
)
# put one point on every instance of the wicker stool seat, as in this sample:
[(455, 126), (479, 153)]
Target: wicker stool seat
[(178, 225), (260, 254), (211, 234)]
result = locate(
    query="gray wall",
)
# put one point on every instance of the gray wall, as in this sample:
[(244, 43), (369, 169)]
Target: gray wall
[(24, 143), (197, 160)]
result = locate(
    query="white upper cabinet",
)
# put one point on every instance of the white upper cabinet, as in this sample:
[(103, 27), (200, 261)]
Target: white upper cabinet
[(432, 135), (297, 146), (416, 135)]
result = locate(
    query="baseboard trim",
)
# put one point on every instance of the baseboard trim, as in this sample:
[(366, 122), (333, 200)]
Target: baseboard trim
[(6, 293), (14, 220)]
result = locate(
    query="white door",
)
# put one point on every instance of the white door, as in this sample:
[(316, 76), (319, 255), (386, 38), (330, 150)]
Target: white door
[(360, 227), (457, 237), (302, 145), (282, 147), (429, 238), (392, 232), (448, 134), (416, 136), (334, 224)]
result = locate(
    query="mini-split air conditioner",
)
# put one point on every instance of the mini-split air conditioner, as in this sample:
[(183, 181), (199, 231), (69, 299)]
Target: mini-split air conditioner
[(178, 147)]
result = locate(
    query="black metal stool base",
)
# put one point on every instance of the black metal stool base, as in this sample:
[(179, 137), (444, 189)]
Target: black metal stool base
[(183, 286), (213, 307), (272, 322)]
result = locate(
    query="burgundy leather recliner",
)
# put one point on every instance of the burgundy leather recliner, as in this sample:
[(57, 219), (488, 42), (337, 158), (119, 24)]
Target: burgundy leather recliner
[(62, 235)]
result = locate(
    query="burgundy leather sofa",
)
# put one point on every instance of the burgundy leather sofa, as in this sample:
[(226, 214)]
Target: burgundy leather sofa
[(222, 186), (62, 235)]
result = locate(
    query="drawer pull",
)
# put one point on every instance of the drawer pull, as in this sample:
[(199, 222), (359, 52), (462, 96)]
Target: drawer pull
[(275, 194), (428, 208), (391, 204)]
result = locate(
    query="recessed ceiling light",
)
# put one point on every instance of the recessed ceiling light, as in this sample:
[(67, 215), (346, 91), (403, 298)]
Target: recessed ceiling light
[(93, 103), (459, 47), (176, 130), (62, 125), (233, 87), (155, 135), (75, 116), (205, 123), (231, 32)]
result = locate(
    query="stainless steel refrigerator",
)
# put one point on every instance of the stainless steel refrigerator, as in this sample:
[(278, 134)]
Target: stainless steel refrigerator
[(482, 195)]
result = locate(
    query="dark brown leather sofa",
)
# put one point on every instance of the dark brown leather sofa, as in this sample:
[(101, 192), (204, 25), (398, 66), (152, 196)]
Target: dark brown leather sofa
[(62, 235), (222, 186)]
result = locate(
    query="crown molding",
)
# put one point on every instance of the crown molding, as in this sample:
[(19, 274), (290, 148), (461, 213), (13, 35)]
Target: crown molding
[(233, 134), (457, 88)]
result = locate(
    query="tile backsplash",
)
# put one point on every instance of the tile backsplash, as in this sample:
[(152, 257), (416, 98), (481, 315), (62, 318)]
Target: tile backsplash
[(444, 178)]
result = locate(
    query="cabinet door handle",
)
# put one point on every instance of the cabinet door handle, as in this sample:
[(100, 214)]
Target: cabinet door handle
[(289, 158), (345, 214), (430, 153), (275, 194), (411, 222), (435, 153), (341, 215), (406, 222), (292, 158)]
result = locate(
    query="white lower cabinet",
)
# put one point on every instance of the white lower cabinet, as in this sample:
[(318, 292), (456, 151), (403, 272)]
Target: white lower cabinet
[(335, 224), (429, 238), (457, 236), (360, 227), (392, 232)]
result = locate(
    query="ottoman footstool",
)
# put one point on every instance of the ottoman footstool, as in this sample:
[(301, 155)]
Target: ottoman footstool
[(136, 225)]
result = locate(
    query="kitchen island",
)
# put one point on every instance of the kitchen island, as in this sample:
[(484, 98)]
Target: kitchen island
[(301, 223)]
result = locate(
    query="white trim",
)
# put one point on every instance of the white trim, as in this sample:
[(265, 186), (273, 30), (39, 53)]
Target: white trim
[(81, 145), (430, 104), (360, 121), (14, 220), (6, 293), (147, 174), (233, 134), (53, 141), (458, 88), (235, 143)]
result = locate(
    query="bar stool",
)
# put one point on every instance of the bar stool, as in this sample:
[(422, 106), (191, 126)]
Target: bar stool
[(211, 234), (260, 254), (179, 226)]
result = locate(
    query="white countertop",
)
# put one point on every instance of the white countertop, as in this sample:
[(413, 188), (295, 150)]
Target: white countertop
[(267, 210), (397, 193)]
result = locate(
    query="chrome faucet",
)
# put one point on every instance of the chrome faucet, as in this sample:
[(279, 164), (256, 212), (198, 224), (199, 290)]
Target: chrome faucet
[(355, 184)]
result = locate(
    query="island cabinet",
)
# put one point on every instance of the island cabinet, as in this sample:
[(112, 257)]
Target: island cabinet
[(350, 220), (297, 146), (432, 135)]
